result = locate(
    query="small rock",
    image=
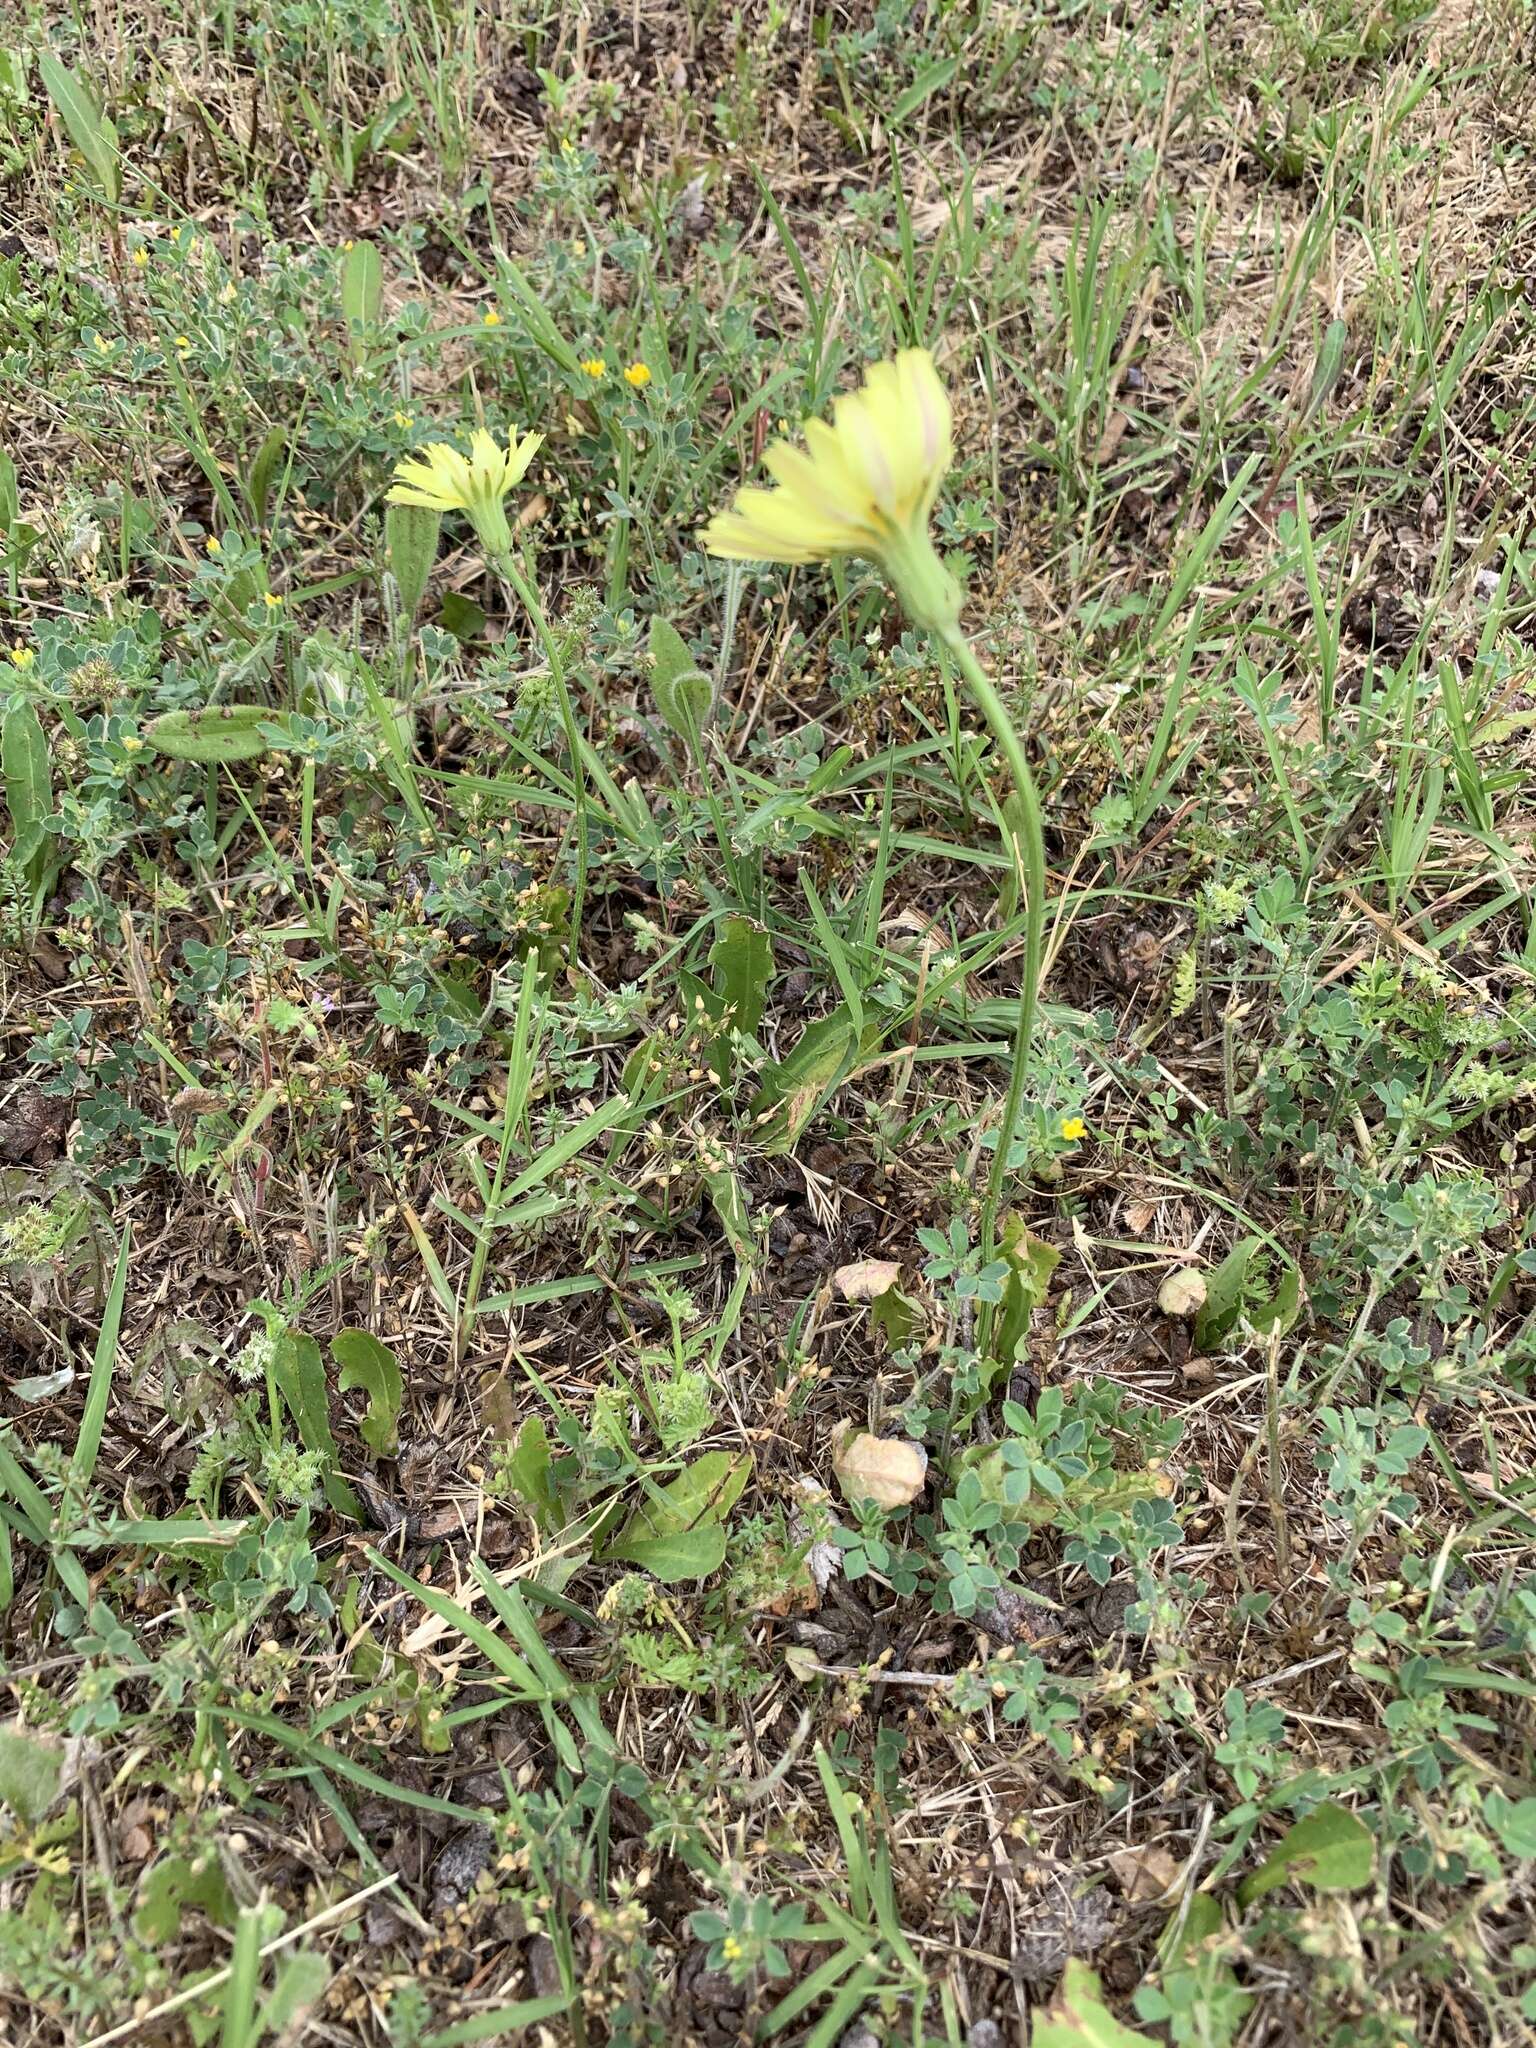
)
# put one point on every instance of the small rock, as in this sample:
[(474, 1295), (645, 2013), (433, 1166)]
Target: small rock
[(1105, 1611), (984, 2034), (1130, 955), (382, 1925), (544, 1967), (460, 1863)]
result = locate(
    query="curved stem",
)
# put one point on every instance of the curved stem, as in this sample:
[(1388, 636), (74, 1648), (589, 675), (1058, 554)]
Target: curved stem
[(506, 567), (1030, 851)]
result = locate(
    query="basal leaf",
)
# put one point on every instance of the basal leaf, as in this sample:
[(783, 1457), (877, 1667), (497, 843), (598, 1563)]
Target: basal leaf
[(368, 1364), (1332, 1850)]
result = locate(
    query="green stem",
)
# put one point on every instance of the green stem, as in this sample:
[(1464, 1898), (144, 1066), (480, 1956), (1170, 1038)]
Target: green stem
[(1030, 852), (506, 568)]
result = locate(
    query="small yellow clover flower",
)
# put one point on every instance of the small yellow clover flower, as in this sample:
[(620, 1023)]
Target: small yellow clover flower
[(863, 486), (443, 480), (1073, 1128), (638, 374)]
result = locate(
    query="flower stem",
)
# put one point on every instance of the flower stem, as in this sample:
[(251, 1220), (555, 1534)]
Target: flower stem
[(506, 568), (1030, 851)]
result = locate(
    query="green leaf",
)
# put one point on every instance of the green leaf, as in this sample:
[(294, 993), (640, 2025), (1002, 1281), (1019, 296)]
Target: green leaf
[(1330, 361), (31, 1770), (679, 1532), (1187, 1929), (742, 960), (219, 733), (1332, 1850), (532, 1474), (368, 1364), (172, 1885), (730, 1205), (931, 79), (299, 1372), (258, 481), (490, 2026), (462, 617), (299, 1986), (678, 1555), (362, 285), (896, 1316), (1229, 1296), (684, 694), (1514, 1822), (410, 548), (1031, 1262), (88, 127), (28, 780), (1077, 2017), (794, 1089)]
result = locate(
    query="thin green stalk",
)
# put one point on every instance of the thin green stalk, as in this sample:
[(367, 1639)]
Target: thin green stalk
[(522, 588), (1030, 851)]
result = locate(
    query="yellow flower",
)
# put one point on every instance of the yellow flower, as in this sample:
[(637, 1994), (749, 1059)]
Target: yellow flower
[(491, 317), (175, 234), (22, 657), (578, 247), (638, 374), (228, 295), (404, 419), (214, 545), (182, 343), (140, 257), (863, 486), (1073, 1128), (270, 600), (104, 346), (595, 367), (443, 480)]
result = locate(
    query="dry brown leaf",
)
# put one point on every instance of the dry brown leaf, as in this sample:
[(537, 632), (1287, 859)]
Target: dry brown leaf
[(1182, 1294), (887, 1470), (1138, 1217), (1145, 1873), (866, 1279)]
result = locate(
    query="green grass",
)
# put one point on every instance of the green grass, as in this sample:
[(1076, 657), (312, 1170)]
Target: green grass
[(504, 1060)]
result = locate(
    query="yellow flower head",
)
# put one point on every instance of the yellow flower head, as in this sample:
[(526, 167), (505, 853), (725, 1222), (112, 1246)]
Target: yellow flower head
[(228, 294), (22, 657), (213, 545), (490, 318), (595, 367), (1073, 1128), (404, 419), (182, 343), (863, 486), (443, 480), (140, 257), (638, 374), (270, 600)]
